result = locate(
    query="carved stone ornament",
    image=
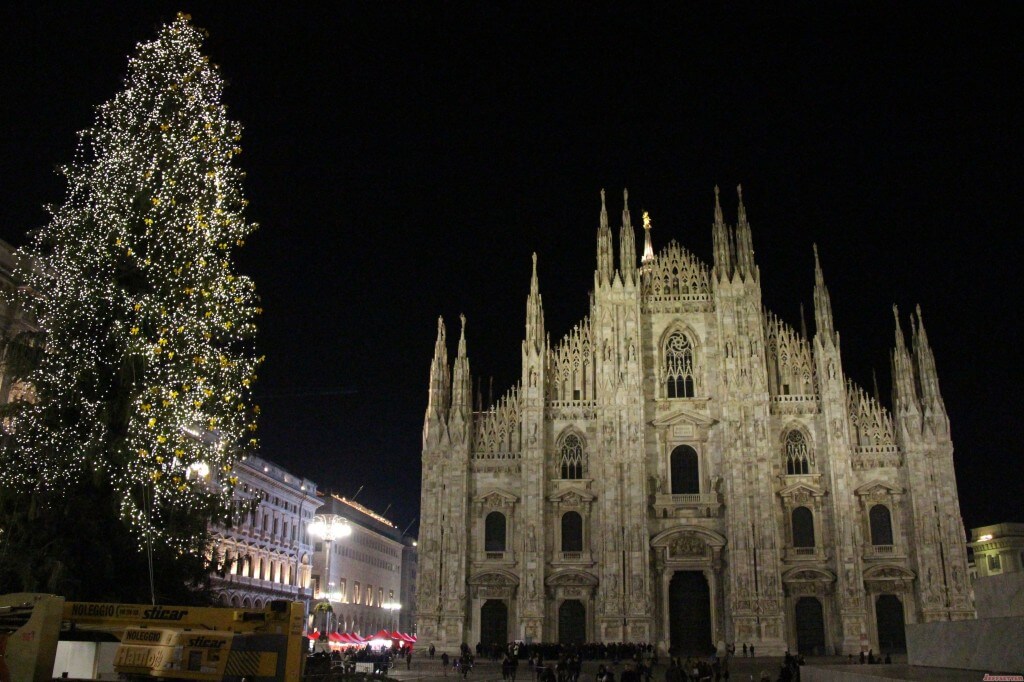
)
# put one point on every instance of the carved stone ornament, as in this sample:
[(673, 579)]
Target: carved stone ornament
[(687, 544)]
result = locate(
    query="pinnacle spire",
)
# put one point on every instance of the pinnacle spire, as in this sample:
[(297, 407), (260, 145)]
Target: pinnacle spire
[(462, 384), (823, 322), (627, 243), (648, 246), (744, 241), (534, 313), (605, 256), (904, 393), (462, 337), (723, 242), (439, 393), (931, 396)]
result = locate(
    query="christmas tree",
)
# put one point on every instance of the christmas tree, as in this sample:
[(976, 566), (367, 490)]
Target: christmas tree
[(144, 383)]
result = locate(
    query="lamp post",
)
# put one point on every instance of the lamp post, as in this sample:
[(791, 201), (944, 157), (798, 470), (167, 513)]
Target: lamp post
[(394, 608), (328, 527)]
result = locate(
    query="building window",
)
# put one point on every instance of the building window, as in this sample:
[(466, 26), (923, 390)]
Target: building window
[(881, 525), (685, 471), (369, 595), (993, 562), (679, 381), (380, 596), (572, 457), (356, 593), (803, 527), (572, 532), (494, 532), (342, 590), (797, 454)]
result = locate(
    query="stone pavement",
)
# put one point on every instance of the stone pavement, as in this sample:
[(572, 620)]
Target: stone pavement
[(741, 669)]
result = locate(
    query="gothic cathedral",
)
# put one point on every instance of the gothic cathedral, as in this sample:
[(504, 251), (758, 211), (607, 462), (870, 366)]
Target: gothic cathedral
[(684, 468)]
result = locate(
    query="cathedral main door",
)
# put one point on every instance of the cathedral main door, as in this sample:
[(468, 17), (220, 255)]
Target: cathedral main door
[(689, 600), (892, 635), (494, 622), (572, 622), (810, 627)]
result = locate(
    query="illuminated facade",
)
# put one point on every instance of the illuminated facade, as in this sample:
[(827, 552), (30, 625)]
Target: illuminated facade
[(364, 577), (13, 321), (267, 553), (687, 469)]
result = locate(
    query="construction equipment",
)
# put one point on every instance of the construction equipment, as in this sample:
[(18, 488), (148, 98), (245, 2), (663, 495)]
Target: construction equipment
[(156, 642)]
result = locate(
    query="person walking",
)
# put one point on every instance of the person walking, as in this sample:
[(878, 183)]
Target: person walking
[(444, 662)]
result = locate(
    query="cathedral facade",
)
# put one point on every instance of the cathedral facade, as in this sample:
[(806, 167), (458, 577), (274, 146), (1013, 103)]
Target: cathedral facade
[(684, 468)]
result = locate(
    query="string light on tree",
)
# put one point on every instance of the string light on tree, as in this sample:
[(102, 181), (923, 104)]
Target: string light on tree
[(148, 327)]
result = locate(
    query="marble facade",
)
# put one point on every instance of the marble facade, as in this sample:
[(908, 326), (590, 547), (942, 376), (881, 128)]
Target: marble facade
[(683, 461)]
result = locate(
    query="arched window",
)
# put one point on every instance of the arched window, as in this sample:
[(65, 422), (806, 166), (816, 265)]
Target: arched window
[(881, 525), (798, 458), (685, 471), (679, 380), (572, 532), (494, 532), (803, 527), (572, 457)]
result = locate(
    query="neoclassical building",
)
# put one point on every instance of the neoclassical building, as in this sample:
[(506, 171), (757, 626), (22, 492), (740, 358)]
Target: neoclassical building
[(267, 554), (685, 468)]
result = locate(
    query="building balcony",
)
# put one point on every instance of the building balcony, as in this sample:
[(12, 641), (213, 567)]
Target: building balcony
[(687, 505), (505, 558), (572, 559), (803, 554), (881, 552)]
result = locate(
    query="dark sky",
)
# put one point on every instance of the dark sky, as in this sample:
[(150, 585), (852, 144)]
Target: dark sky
[(404, 160)]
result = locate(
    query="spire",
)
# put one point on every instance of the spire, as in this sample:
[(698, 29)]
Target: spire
[(627, 242), (823, 323), (605, 257), (904, 395), (722, 242), (874, 383), (462, 383), (648, 257), (803, 321), (744, 241), (534, 314), (439, 394), (931, 397)]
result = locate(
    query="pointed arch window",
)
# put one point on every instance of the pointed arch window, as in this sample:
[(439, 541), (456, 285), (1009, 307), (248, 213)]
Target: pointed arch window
[(571, 463), (679, 378), (798, 454)]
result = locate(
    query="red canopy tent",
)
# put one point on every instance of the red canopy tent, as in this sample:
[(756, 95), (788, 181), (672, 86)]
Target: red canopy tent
[(335, 637), (382, 634)]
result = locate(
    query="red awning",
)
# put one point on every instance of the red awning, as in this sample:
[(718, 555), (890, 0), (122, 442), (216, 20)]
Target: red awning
[(383, 634), (335, 637)]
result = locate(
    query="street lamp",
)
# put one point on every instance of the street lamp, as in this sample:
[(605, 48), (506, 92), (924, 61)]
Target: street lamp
[(328, 527), (393, 607)]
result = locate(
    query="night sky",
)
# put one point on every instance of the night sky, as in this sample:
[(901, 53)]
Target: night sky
[(405, 159)]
